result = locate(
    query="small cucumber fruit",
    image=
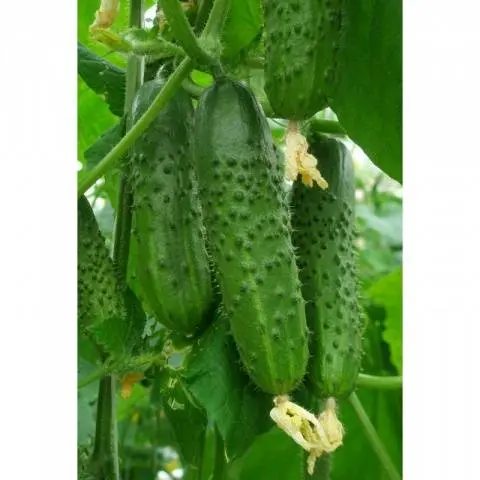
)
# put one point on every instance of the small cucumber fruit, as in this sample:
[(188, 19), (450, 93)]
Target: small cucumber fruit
[(248, 228), (172, 263), (301, 41), (102, 313), (324, 229)]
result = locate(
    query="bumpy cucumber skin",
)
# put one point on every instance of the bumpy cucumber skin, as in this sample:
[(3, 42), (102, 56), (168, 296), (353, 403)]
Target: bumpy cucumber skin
[(248, 227), (173, 267), (301, 41), (101, 306), (324, 228)]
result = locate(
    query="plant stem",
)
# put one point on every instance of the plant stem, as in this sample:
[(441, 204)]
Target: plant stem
[(326, 126), (105, 451), (381, 383), (123, 224), (216, 19), (183, 32), (171, 86), (94, 376), (141, 362), (374, 439), (323, 467), (105, 460), (202, 15)]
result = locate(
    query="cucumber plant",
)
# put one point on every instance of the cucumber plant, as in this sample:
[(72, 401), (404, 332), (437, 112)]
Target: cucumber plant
[(251, 283)]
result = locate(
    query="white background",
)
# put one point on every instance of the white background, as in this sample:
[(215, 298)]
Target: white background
[(38, 240)]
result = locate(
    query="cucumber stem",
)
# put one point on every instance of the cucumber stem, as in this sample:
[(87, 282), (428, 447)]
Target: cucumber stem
[(202, 15), (94, 376), (141, 362), (323, 467), (374, 439), (123, 221), (104, 460), (216, 19), (168, 91), (381, 383), (326, 126), (183, 32), (105, 453)]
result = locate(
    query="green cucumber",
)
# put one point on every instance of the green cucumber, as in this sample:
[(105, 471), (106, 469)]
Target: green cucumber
[(301, 41), (172, 263), (102, 313), (324, 228), (248, 228)]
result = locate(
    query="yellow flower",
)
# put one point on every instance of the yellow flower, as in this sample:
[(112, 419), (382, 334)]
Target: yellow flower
[(128, 381), (106, 14), (298, 423), (330, 423), (315, 435), (297, 159)]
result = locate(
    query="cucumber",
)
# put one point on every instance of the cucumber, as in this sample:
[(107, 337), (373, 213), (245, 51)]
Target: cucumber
[(301, 41), (324, 229), (172, 263), (102, 313), (248, 228)]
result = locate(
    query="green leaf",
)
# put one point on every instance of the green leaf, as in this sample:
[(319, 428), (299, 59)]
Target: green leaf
[(388, 225), (201, 78), (355, 458), (94, 118), (215, 378), (388, 293), (95, 153), (367, 94), (242, 27), (127, 406), (187, 420), (86, 404), (103, 77), (273, 455)]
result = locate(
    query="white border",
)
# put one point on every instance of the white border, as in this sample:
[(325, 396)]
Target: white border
[(38, 245), (38, 240), (441, 240)]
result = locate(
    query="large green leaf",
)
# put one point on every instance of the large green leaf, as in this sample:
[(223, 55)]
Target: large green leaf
[(187, 420), (95, 153), (356, 458), (94, 118), (367, 93), (272, 456), (215, 379), (103, 77), (87, 397), (243, 25), (388, 293)]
